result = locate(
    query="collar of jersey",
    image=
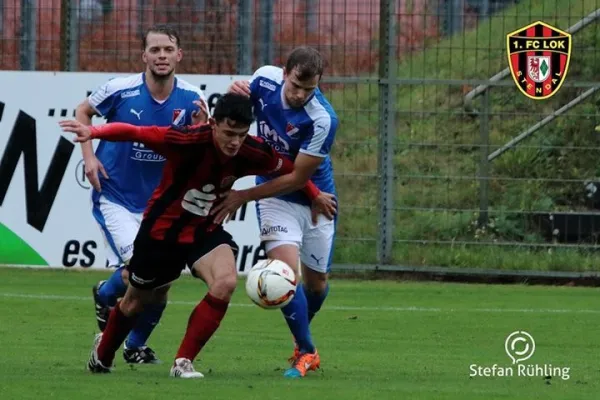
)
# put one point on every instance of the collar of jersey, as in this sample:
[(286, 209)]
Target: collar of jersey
[(150, 94)]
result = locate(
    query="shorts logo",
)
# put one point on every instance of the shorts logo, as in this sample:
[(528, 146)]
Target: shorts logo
[(227, 181), (126, 249), (267, 85), (538, 56), (269, 230), (317, 259), (139, 280)]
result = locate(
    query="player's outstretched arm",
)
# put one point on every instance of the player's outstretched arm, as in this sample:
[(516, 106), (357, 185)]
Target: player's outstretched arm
[(294, 176), (116, 132)]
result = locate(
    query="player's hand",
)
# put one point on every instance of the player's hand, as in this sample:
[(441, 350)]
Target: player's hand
[(324, 203), (92, 166), (224, 211), (82, 131), (240, 87), (200, 116)]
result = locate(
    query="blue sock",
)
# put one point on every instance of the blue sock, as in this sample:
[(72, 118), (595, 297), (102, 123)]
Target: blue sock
[(145, 325), (314, 301), (113, 288), (296, 316)]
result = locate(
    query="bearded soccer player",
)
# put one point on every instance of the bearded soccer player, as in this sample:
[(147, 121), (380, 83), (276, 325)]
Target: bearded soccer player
[(178, 229), (295, 117), (124, 174)]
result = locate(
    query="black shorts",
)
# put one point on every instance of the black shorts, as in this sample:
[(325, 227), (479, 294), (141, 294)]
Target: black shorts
[(155, 263)]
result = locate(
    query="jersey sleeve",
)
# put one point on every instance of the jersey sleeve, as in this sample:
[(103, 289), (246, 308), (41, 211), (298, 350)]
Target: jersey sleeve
[(157, 138), (254, 84), (104, 98), (318, 142), (266, 77), (122, 132)]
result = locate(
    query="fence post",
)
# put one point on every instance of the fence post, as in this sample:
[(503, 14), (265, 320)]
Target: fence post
[(65, 34), (484, 9), (266, 31), (484, 164), (28, 35), (74, 36), (1, 17), (454, 16), (387, 127), (245, 37), (312, 16)]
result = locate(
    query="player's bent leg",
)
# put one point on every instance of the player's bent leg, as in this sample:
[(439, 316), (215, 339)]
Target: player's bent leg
[(296, 314), (121, 320), (316, 288), (316, 256), (154, 265), (119, 228), (217, 268), (135, 350)]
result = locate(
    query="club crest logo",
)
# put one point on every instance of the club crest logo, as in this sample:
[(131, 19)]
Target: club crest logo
[(178, 116), (538, 56)]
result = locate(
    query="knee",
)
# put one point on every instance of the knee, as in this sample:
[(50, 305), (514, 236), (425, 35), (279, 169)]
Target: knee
[(125, 276), (224, 286), (131, 306), (316, 283), (160, 295)]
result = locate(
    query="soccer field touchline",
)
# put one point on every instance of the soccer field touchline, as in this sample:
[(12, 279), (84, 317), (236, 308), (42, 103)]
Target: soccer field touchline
[(338, 308)]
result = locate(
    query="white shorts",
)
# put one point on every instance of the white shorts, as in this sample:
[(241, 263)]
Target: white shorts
[(281, 220), (119, 227)]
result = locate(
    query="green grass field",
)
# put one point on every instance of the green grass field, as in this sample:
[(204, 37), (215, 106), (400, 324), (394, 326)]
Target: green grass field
[(377, 339)]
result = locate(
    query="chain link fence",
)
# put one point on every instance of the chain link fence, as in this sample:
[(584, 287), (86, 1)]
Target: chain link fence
[(426, 105)]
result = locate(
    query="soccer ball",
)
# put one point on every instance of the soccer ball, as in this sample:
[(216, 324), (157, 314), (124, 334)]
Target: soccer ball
[(271, 284)]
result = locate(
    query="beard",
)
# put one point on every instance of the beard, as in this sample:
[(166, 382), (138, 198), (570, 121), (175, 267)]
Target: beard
[(162, 76)]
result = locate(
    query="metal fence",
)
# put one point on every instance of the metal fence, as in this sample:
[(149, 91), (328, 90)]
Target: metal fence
[(424, 172)]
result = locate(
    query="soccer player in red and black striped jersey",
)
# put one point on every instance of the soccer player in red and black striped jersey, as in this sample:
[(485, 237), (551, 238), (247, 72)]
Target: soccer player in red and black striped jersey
[(203, 162)]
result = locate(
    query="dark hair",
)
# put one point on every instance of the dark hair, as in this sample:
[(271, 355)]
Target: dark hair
[(235, 107), (307, 61), (165, 30)]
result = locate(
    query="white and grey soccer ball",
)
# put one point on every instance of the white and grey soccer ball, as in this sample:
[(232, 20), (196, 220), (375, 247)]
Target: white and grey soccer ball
[(271, 284)]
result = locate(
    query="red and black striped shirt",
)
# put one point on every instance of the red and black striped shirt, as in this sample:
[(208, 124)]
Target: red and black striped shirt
[(195, 176)]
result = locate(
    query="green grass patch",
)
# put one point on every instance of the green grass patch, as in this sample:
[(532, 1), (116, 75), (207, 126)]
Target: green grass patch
[(377, 339)]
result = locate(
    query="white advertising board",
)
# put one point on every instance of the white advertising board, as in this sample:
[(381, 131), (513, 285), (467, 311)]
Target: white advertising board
[(45, 210)]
